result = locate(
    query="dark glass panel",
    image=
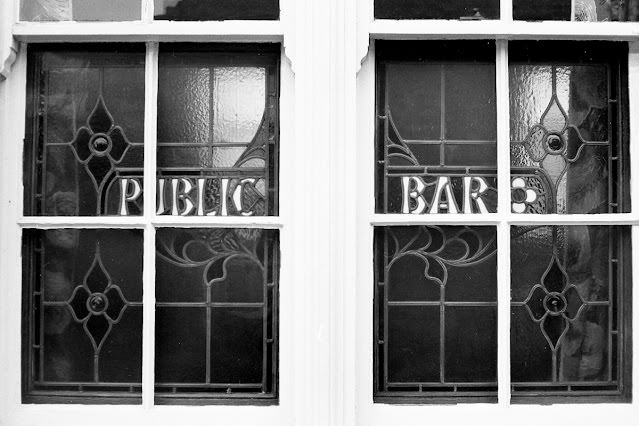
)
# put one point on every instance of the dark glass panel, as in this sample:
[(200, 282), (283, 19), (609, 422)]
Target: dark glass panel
[(471, 344), (567, 151), (89, 133), (542, 10), (80, 10), (216, 10), (562, 314), (471, 113), (406, 280), (432, 9), (88, 286), (435, 102), (180, 344), (217, 121), (584, 10), (413, 344), (237, 349), (216, 310)]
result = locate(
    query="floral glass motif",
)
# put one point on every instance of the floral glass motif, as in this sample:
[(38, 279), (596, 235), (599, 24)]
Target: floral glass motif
[(567, 152), (86, 313), (80, 10), (576, 10), (85, 137), (216, 333), (435, 312), (567, 287)]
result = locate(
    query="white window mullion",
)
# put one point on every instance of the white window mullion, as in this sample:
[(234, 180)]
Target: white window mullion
[(506, 10), (503, 210), (150, 136)]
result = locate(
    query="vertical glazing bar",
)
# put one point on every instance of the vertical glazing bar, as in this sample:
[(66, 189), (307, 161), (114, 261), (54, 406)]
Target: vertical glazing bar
[(150, 136), (503, 230), (506, 10), (147, 10), (633, 115)]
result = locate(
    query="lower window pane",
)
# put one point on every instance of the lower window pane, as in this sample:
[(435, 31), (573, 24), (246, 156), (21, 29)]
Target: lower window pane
[(216, 315), (569, 296), (435, 313), (83, 313)]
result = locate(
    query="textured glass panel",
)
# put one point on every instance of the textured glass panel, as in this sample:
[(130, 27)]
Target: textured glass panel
[(435, 312), (217, 313), (576, 10), (217, 131), (563, 318), (567, 151), (216, 10), (85, 311), (80, 10), (436, 140), (84, 142), (433, 9)]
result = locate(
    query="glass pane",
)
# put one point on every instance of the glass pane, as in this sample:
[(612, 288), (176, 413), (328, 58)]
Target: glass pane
[(435, 312), (80, 10), (434, 9), (568, 151), (84, 316), (216, 313), (218, 131), (567, 331), (84, 150), (576, 10), (216, 10), (436, 141)]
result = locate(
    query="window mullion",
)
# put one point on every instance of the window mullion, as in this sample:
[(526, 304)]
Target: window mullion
[(506, 10), (150, 133), (503, 209)]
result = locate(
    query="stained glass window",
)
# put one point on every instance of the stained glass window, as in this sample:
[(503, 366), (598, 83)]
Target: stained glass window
[(576, 10), (80, 10), (85, 131), (435, 313), (569, 321), (216, 314), (83, 312), (218, 130), (436, 129), (569, 152), (216, 10), (433, 9)]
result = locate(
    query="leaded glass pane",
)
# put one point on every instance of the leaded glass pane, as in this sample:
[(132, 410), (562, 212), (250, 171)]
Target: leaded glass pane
[(569, 287), (80, 10), (568, 144), (216, 10), (84, 140), (218, 130), (435, 313), (83, 315), (216, 314), (576, 10), (434, 9), (436, 132)]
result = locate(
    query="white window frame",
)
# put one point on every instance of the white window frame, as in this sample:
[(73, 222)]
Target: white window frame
[(304, 386), (502, 413)]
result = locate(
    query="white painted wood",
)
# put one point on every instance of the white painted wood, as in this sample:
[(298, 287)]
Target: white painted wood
[(508, 30), (503, 230), (506, 10), (200, 31)]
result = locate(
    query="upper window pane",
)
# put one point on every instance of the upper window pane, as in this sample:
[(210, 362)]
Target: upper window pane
[(436, 9), (576, 10), (85, 130), (80, 10), (569, 150), (436, 133), (216, 10), (218, 130)]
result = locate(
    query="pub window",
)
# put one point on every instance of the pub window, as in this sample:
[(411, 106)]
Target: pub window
[(435, 297), (216, 312)]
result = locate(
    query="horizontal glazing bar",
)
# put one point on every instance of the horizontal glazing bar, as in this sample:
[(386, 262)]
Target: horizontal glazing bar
[(504, 30), (228, 31)]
